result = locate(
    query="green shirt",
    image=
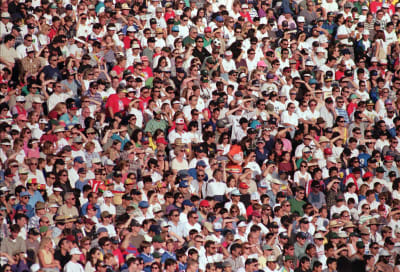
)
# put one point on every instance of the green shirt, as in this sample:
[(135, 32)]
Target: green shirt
[(296, 206), (154, 124)]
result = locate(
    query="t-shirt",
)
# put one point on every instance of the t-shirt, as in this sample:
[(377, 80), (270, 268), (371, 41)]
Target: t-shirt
[(296, 206)]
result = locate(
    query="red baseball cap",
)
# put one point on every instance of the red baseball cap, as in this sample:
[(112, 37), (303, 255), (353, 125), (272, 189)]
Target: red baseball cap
[(161, 140), (388, 158), (204, 203), (328, 151), (243, 185), (368, 175)]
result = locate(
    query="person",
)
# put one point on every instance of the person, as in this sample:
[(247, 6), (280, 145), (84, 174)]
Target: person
[(73, 264)]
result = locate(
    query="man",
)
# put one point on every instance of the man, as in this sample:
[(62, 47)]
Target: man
[(30, 63), (73, 265), (191, 223), (62, 254), (210, 256), (8, 54), (35, 173), (59, 93), (156, 123), (133, 238), (288, 263), (13, 243), (272, 264), (22, 48), (39, 212), (297, 202), (199, 51), (69, 209)]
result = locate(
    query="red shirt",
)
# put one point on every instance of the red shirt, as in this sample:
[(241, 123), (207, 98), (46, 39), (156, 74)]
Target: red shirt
[(115, 103)]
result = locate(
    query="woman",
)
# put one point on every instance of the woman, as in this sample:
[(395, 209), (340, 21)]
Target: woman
[(90, 152), (17, 152), (179, 162), (59, 110), (396, 189), (224, 142), (137, 136), (62, 181), (25, 135), (163, 164), (302, 176), (46, 256), (351, 192), (43, 37), (380, 48), (194, 134), (290, 119), (92, 258), (286, 163)]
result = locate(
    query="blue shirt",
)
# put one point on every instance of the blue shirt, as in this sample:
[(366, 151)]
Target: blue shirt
[(146, 259), (79, 184), (35, 198), (167, 255), (343, 113), (84, 209)]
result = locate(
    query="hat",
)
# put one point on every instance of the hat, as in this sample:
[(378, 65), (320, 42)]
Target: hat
[(373, 221), (204, 203), (5, 15), (243, 185), (74, 251), (242, 224), (380, 169), (184, 184), (175, 28), (309, 63), (301, 19), (79, 159), (187, 202), (25, 193), (235, 192), (157, 239), (23, 170), (254, 196), (334, 224), (288, 258), (201, 163), (217, 226), (180, 121), (271, 259), (108, 194), (39, 206), (266, 247), (219, 18), (367, 175), (102, 229), (33, 231), (143, 204), (105, 214), (318, 235), (384, 252)]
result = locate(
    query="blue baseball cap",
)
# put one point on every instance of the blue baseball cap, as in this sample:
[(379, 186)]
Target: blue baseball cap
[(143, 204), (201, 163), (219, 19), (183, 184), (187, 202), (175, 28), (102, 229), (79, 159), (25, 193)]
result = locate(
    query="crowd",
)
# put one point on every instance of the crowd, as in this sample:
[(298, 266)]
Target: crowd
[(244, 136)]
